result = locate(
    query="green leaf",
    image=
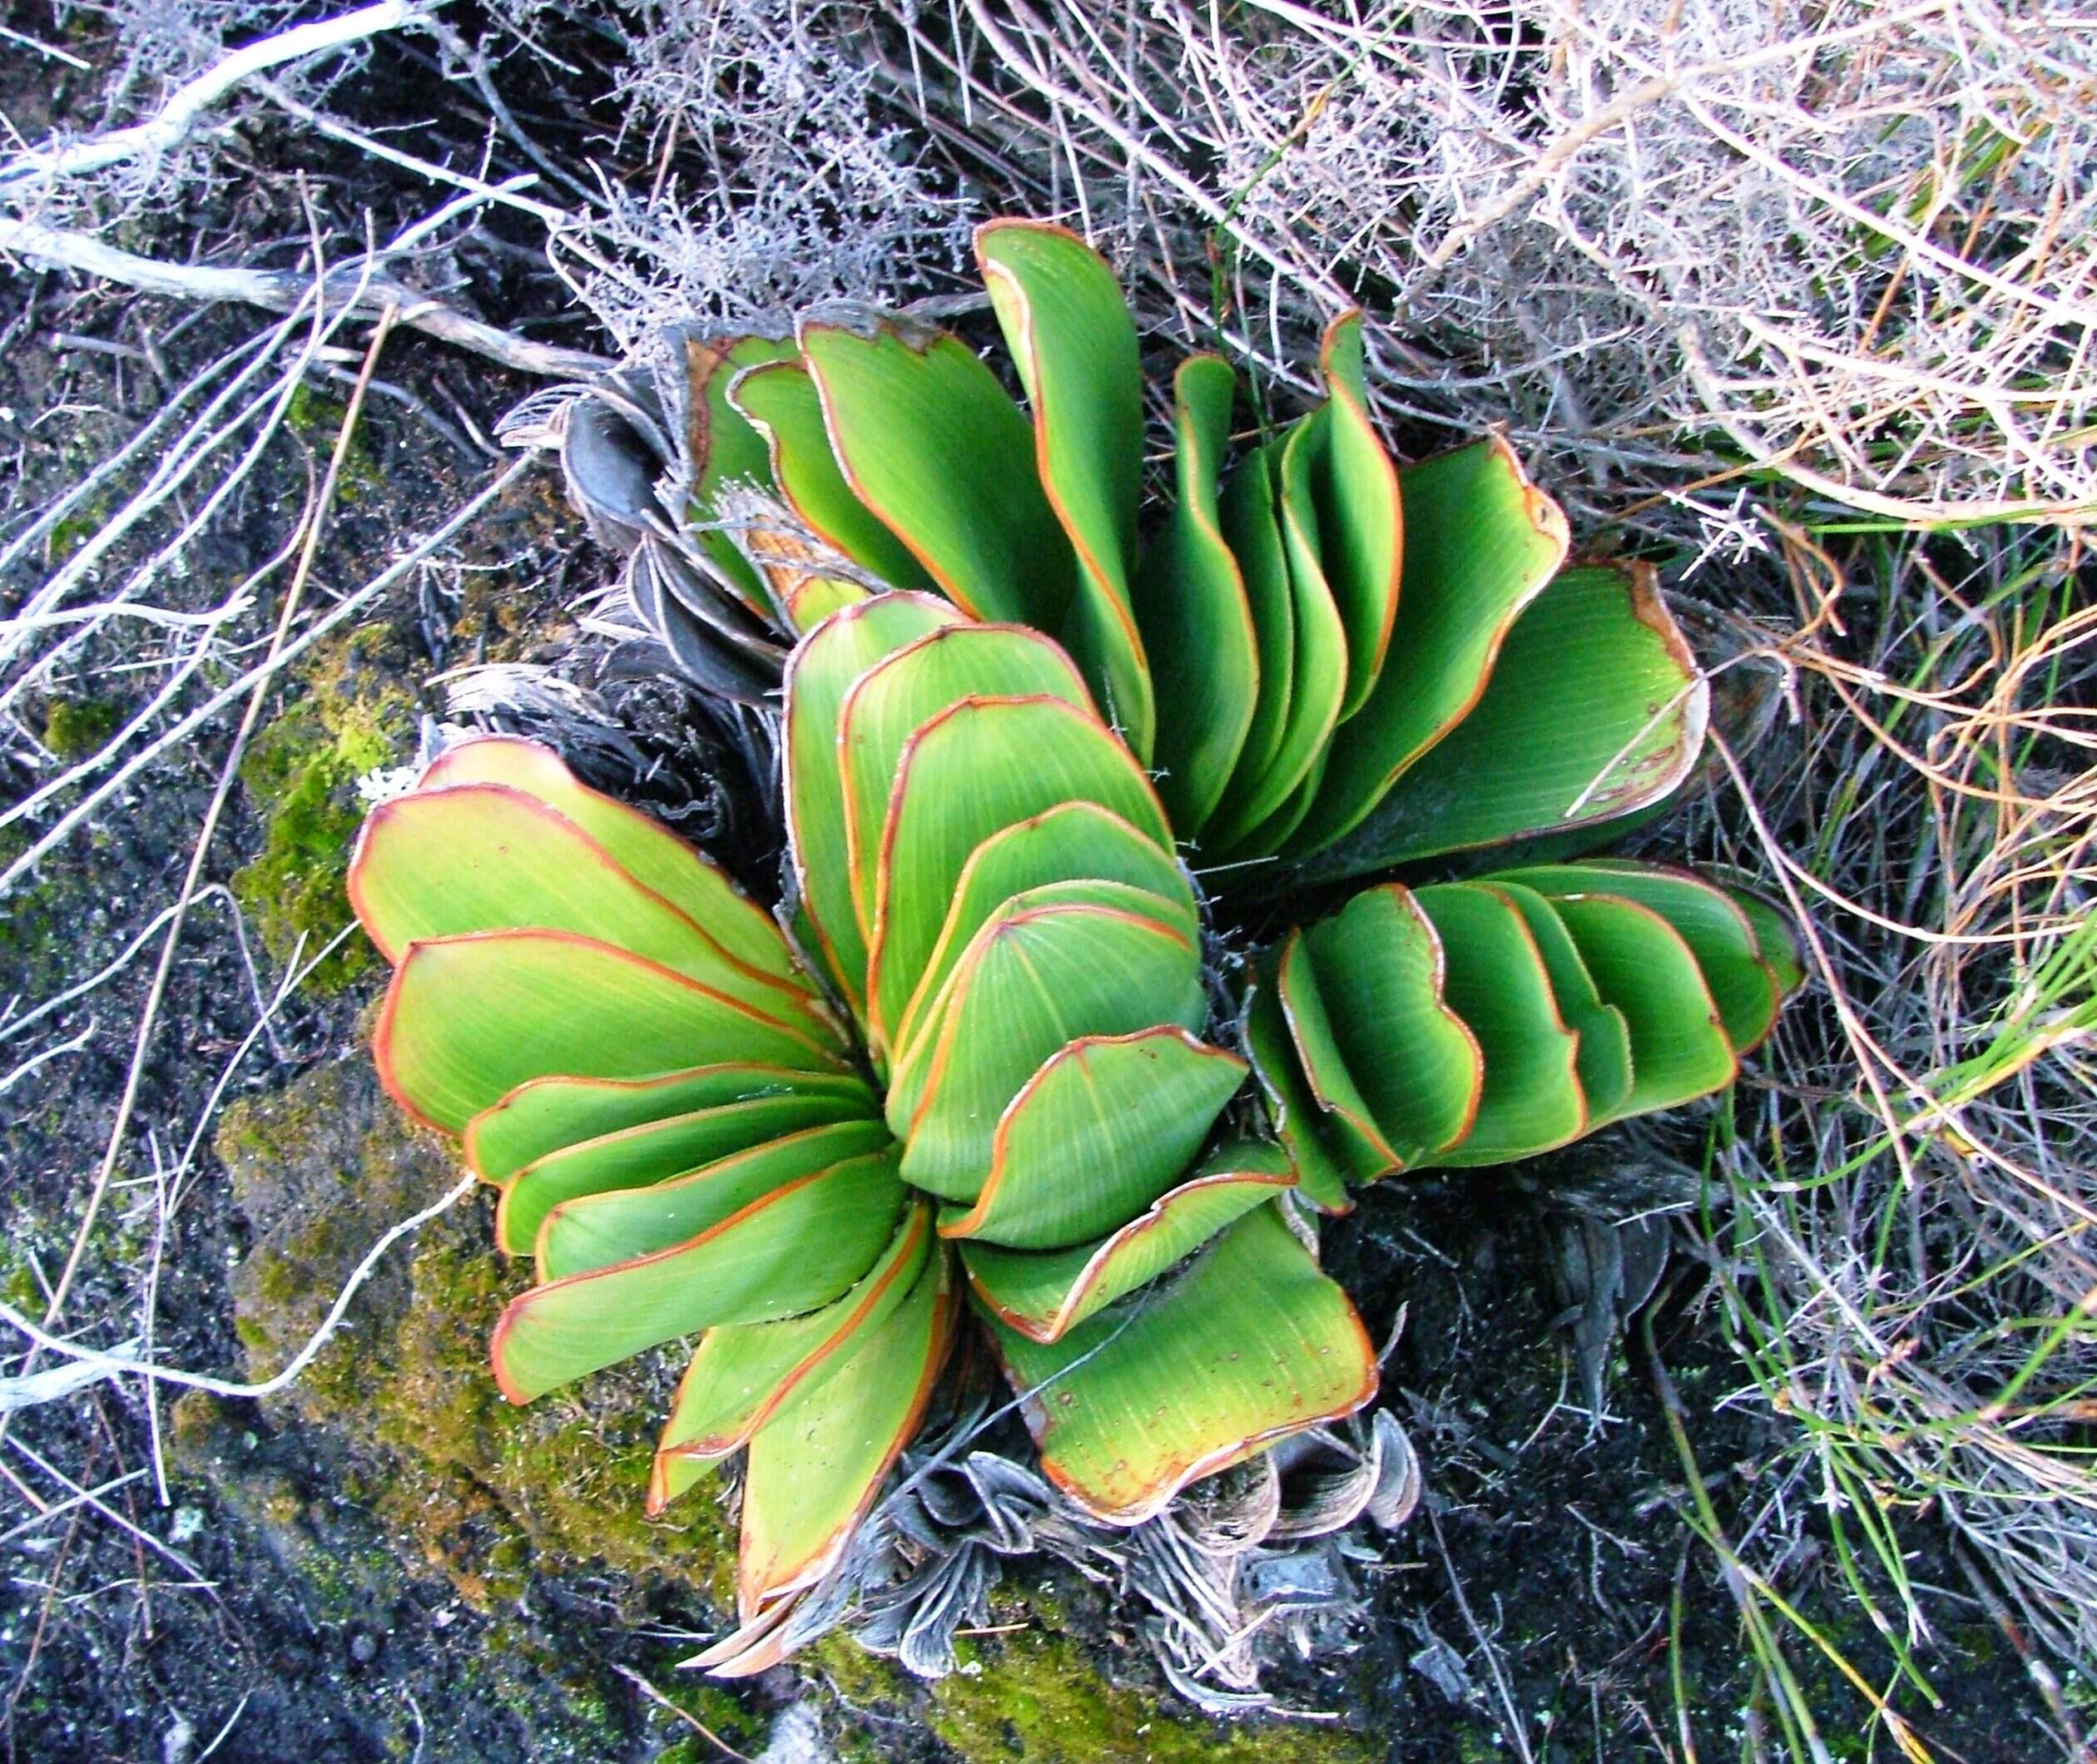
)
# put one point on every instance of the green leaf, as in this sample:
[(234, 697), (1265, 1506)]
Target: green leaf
[(744, 1372), (653, 855), (815, 1465), (1603, 1061), (918, 1057), (1711, 921), (1034, 979), (1074, 842), (543, 1115), (1190, 605), (978, 767), (1678, 1047), (819, 674), (1072, 339), (487, 857), (1351, 1126), (599, 1228), (1480, 543), (1180, 1380), (780, 402), (931, 444), (1496, 981), (899, 695), (1360, 522), (1319, 649), (815, 599), (1380, 968), (468, 1019), (652, 1152), (1305, 1130), (1593, 711), (1775, 940), (725, 449), (788, 1252), (1044, 1295), (1252, 528), (1105, 1127)]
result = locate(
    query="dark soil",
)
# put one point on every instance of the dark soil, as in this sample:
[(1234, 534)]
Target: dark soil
[(1548, 1579)]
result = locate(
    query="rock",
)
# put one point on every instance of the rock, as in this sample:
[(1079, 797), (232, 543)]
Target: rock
[(486, 1493)]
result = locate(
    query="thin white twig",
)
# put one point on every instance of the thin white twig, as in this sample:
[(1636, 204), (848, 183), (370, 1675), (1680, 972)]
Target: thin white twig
[(103, 1365), (168, 127)]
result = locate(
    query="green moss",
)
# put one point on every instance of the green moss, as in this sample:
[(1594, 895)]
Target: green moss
[(487, 1494), (317, 419), (1033, 1697), (347, 715), (76, 727), (715, 1709)]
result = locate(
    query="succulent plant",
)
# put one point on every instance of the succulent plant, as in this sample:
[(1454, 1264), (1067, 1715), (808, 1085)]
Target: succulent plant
[(982, 1071)]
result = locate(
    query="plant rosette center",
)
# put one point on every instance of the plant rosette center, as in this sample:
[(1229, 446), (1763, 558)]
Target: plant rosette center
[(978, 1075)]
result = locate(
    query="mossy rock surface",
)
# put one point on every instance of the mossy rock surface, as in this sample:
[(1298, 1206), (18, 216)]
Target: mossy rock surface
[(346, 713), (1032, 1695), (487, 1494)]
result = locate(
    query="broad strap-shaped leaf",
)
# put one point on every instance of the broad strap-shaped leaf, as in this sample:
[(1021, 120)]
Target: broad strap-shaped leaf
[(1480, 543), (1594, 711), (1074, 842), (1711, 921), (816, 598), (1249, 515), (1775, 940), (743, 1372), (1361, 520), (1106, 1126), (1641, 966), (1034, 979), (1251, 1344), (487, 857), (646, 849), (1190, 605), (654, 1151), (725, 449), (978, 767), (1072, 340), (1497, 982), (1381, 971), (916, 1059), (816, 1464), (1318, 649), (1603, 1060), (793, 1249), (597, 1229), (1352, 1128), (468, 1019), (544, 1115), (1304, 1131), (1045, 1293), (780, 401), (931, 444), (900, 694), (822, 671)]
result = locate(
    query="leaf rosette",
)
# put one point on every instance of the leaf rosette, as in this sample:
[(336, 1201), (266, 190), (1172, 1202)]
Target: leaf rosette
[(983, 1073)]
